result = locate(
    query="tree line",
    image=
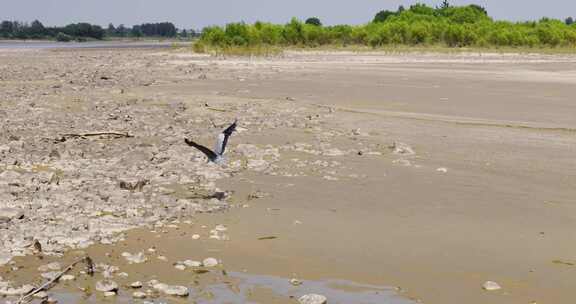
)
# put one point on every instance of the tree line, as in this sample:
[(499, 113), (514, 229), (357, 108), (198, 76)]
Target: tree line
[(419, 24), (85, 31)]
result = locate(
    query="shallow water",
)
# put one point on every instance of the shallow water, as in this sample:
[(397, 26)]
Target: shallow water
[(337, 291), (252, 288)]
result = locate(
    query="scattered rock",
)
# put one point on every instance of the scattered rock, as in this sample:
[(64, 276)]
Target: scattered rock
[(136, 284), (402, 149), (172, 290), (334, 152), (139, 295), (54, 154), (491, 286), (51, 266), (134, 186), (442, 170), (12, 291), (106, 286), (10, 214), (50, 275), (295, 282), (190, 263), (195, 236), (257, 195), (312, 299), (67, 277), (41, 295), (220, 228), (49, 300), (136, 258), (180, 267), (109, 294), (162, 258), (4, 257), (402, 162), (210, 262)]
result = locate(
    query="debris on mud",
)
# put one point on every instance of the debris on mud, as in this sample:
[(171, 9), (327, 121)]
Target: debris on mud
[(312, 299), (400, 148), (136, 258), (171, 290), (210, 262), (135, 186), (106, 285), (491, 286)]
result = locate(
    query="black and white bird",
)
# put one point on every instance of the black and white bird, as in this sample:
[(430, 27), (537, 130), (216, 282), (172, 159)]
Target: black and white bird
[(217, 155)]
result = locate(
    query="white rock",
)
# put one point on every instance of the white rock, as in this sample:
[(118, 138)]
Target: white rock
[(12, 291), (139, 295), (106, 285), (136, 284), (50, 275), (402, 162), (41, 295), (195, 236), (442, 170), (172, 290), (67, 277), (180, 267), (162, 258), (373, 153), (491, 286), (4, 258), (50, 301), (8, 214), (295, 282), (312, 299), (334, 152), (210, 262), (190, 263), (52, 266), (220, 228), (402, 149), (136, 258), (109, 293)]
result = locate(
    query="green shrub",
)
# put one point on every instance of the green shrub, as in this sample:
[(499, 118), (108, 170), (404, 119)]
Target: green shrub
[(313, 21), (63, 37), (463, 26)]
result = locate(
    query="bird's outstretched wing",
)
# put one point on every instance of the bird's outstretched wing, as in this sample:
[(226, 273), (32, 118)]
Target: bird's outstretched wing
[(209, 153), (222, 140)]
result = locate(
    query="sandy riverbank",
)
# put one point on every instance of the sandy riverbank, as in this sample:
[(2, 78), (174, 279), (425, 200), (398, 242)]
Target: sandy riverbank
[(484, 192)]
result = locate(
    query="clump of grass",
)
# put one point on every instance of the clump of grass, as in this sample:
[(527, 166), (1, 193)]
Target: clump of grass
[(237, 50)]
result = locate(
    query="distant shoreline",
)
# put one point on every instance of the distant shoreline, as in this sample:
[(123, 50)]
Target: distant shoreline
[(50, 44)]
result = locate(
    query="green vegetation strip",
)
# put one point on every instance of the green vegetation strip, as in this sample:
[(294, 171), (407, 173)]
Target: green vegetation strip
[(420, 25)]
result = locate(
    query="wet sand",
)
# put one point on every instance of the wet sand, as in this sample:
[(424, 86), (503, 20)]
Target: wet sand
[(487, 195)]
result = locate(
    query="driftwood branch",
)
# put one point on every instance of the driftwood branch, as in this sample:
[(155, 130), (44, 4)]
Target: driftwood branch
[(89, 269), (217, 109), (64, 137)]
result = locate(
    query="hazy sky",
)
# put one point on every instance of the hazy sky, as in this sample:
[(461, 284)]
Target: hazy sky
[(197, 14)]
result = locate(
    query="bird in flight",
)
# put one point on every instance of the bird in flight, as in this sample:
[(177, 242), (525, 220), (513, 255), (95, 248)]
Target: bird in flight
[(217, 155)]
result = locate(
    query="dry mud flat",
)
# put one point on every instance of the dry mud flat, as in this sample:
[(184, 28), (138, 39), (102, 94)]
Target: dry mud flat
[(350, 172)]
